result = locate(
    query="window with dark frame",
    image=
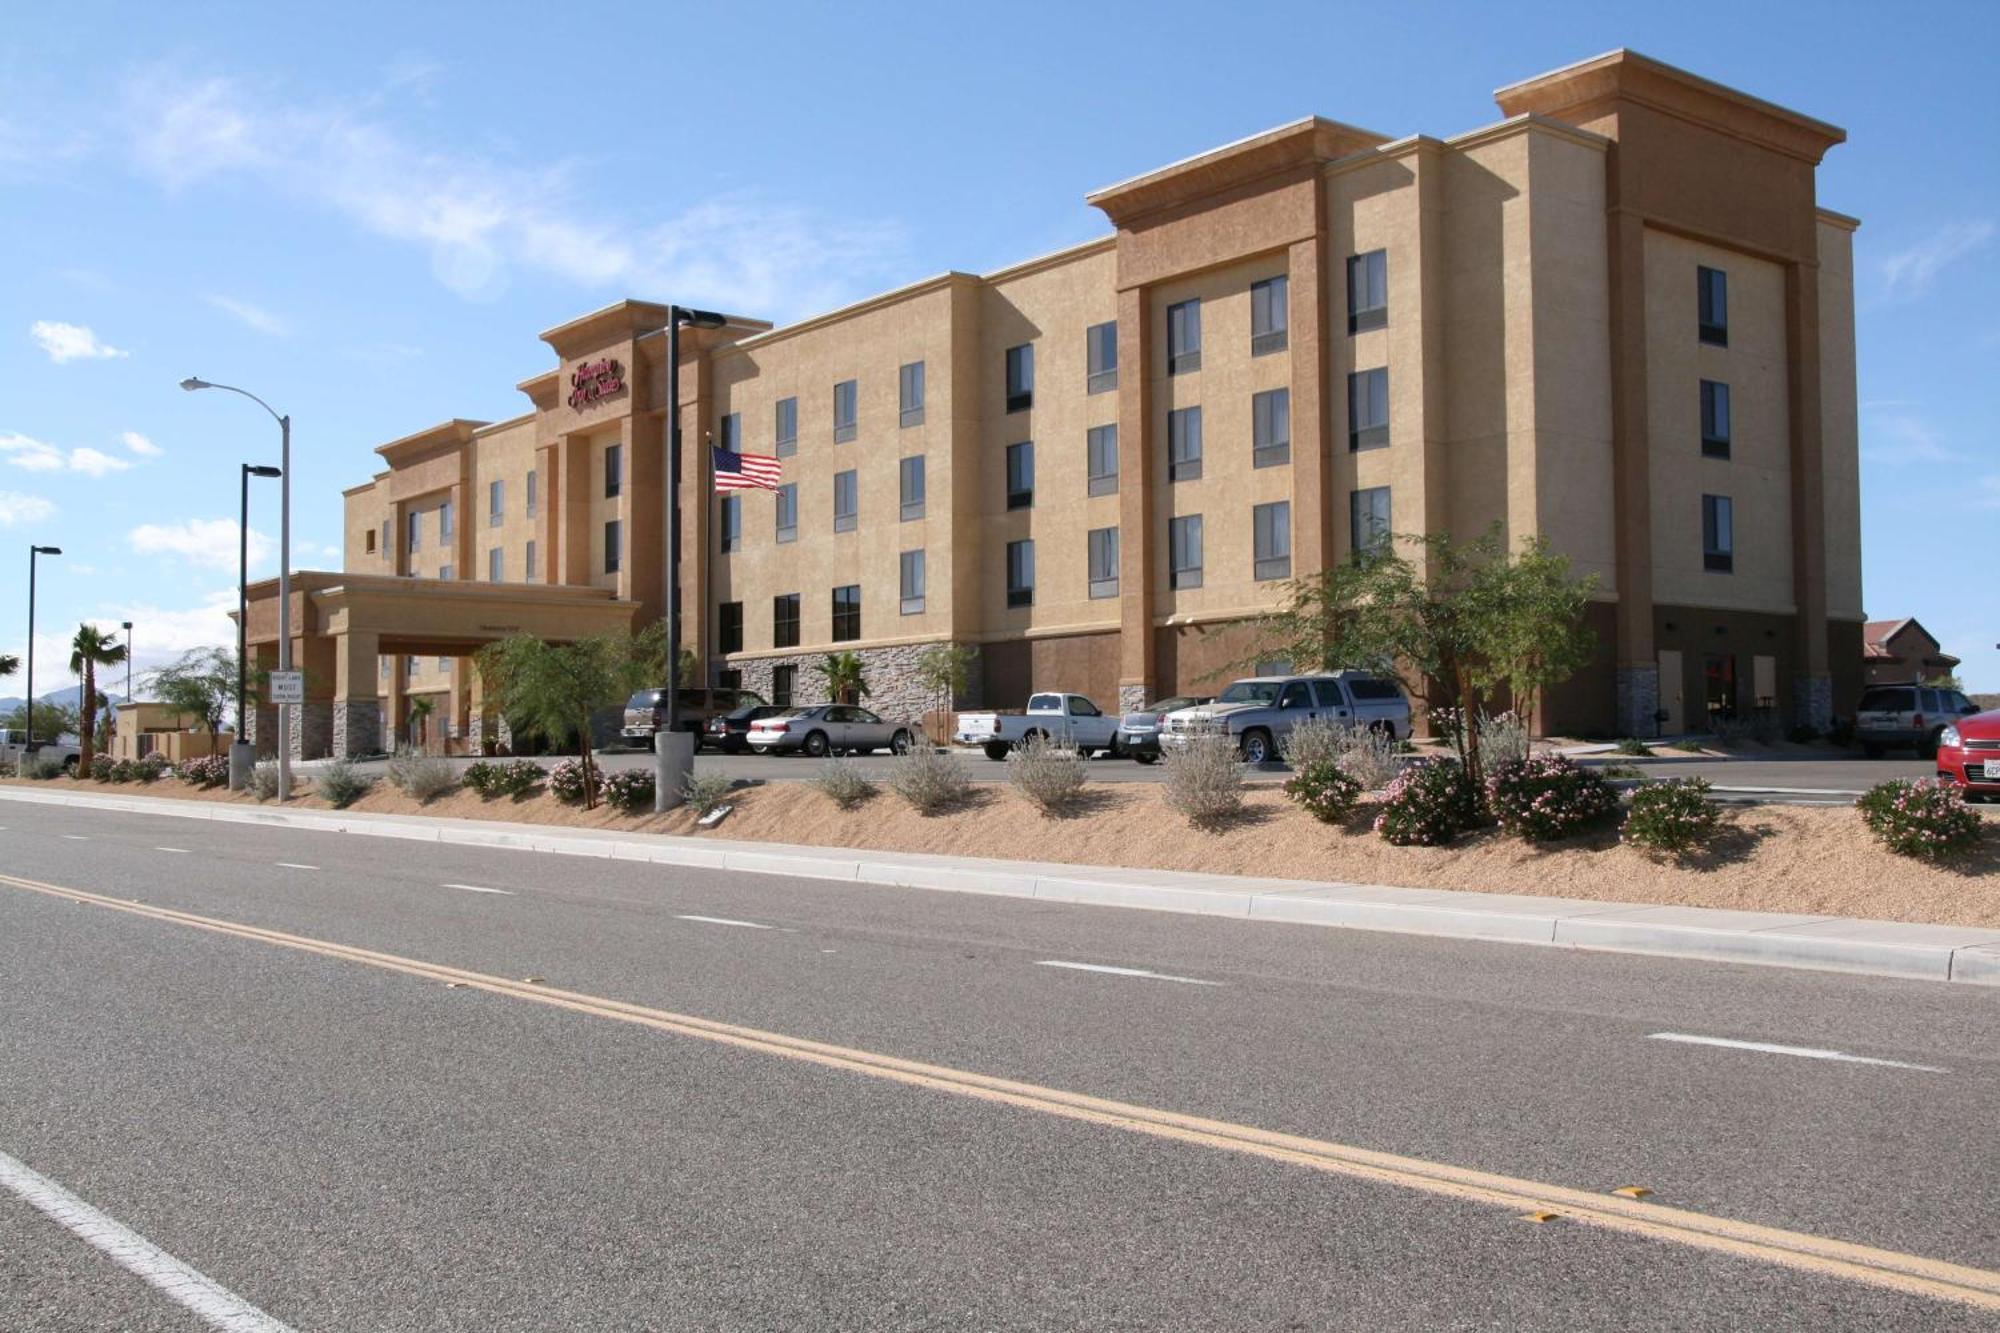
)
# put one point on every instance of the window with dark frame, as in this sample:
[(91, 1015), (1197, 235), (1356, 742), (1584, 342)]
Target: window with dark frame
[(1021, 475), (846, 410), (1184, 444), (910, 487), (1367, 291), (388, 537), (1021, 377), (1101, 459), (496, 565), (1712, 302), (910, 395), (368, 542), (1102, 544), (416, 525), (911, 579), (496, 502), (730, 524), (1183, 337), (1021, 573), (614, 545), (729, 627), (846, 500), (1367, 409), (533, 490), (1184, 550), (528, 562), (1714, 419), (1101, 357), (785, 428), (1271, 526), (729, 432), (1271, 428), (847, 613), (614, 470), (785, 620), (1368, 521), (784, 683), (1270, 315), (1718, 534), (787, 501)]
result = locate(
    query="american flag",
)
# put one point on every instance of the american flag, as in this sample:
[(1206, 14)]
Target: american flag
[(743, 472)]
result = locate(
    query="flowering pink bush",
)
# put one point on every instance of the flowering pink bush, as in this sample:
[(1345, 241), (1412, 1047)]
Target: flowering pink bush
[(630, 789), (569, 782), (1545, 797), (1430, 802), (211, 770), (1924, 817)]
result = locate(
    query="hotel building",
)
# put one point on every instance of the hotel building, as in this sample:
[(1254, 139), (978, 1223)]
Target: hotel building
[(1616, 318)]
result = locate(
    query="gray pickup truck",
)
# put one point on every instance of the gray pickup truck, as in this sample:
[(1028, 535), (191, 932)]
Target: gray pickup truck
[(1262, 710)]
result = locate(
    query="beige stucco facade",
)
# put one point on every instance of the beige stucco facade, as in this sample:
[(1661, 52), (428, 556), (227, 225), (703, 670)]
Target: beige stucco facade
[(1544, 372)]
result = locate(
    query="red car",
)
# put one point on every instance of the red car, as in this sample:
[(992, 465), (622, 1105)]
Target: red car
[(1969, 754)]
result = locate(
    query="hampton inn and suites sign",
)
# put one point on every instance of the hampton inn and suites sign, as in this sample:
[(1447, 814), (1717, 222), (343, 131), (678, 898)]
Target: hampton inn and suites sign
[(593, 380)]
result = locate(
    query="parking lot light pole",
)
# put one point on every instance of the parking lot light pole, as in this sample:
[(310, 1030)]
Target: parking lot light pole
[(673, 749), (28, 745), (242, 753), (191, 383)]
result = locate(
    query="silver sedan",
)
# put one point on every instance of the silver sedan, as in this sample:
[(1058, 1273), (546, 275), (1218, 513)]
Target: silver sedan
[(828, 729)]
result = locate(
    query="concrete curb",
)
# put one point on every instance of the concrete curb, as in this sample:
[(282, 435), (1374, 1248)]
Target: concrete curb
[(1839, 944)]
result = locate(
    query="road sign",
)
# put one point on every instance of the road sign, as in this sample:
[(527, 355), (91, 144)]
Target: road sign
[(288, 687)]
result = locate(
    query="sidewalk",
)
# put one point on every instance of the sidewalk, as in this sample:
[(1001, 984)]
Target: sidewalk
[(1883, 948)]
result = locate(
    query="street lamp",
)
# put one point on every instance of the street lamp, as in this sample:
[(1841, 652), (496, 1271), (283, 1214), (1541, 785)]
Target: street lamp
[(28, 746), (673, 752), (192, 383), (127, 627), (243, 754)]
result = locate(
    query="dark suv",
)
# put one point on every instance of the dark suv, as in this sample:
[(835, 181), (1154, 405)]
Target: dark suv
[(646, 711)]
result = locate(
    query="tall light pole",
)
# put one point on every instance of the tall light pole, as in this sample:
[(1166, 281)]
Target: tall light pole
[(127, 626), (192, 383), (28, 747), (673, 750), (243, 754)]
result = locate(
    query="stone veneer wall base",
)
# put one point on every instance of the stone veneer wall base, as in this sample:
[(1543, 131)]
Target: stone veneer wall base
[(894, 690), (1639, 701)]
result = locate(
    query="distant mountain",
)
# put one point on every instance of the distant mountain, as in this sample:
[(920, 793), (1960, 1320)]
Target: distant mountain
[(67, 697)]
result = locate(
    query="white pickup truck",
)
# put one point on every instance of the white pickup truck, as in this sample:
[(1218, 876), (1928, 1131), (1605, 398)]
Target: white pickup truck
[(12, 743), (1069, 719)]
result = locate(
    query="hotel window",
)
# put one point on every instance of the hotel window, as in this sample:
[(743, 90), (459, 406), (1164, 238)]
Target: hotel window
[(729, 627), (416, 534), (847, 613), (1270, 315), (1020, 377), (910, 395), (614, 470), (846, 409), (368, 542), (1101, 448), (1714, 419), (784, 680), (1712, 299), (1103, 547), (729, 680), (528, 563), (846, 499), (1021, 475), (1100, 343), (532, 488), (910, 486), (448, 572), (1718, 534), (732, 523), (1184, 444), (382, 668), (786, 431), (1368, 408), (496, 502), (614, 540), (788, 511), (912, 582), (444, 664), (1367, 291), (444, 521), (388, 537), (1184, 550), (1368, 520), (1272, 527), (496, 565), (1021, 573), (1183, 337), (785, 620), (730, 433), (1271, 427)]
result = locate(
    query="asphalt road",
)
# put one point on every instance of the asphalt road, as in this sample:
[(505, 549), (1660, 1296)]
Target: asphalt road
[(348, 1146)]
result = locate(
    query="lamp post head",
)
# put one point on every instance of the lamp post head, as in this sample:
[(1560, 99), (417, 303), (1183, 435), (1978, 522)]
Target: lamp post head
[(257, 470), (191, 383), (46, 550), (700, 319)]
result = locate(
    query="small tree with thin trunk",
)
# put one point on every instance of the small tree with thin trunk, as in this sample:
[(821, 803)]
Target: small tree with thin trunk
[(552, 689), (201, 683), (943, 669), (89, 650)]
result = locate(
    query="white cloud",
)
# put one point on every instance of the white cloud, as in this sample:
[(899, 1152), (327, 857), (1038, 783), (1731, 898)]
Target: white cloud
[(24, 451), (1909, 273), (93, 463), (141, 445), (159, 635), (250, 316), (1902, 435), (479, 217), (207, 542), (16, 508), (70, 342)]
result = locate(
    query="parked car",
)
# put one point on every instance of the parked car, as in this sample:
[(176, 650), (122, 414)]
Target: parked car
[(730, 732), (14, 747), (1138, 733), (1968, 753), (1894, 716), (647, 710), (1262, 710), (828, 729), (1067, 718)]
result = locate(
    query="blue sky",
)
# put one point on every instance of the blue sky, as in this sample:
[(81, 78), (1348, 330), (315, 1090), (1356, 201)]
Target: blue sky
[(365, 213)]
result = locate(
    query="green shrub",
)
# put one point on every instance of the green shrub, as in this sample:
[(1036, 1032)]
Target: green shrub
[(1502, 737), (518, 778), (1327, 792), (42, 769), (570, 783), (1050, 775), (1313, 742), (341, 784), (423, 777), (124, 771), (1429, 803), (1204, 779), (1672, 818), (264, 781), (932, 782), (103, 769), (155, 766), (481, 776), (1922, 817), (1548, 797), (630, 790), (1633, 746), (705, 791), (1688, 746), (842, 782)]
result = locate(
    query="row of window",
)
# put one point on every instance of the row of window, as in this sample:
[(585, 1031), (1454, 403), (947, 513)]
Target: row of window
[(496, 512)]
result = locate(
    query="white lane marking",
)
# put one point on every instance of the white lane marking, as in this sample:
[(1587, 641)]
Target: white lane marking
[(178, 851), (208, 1299), (1809, 1052), (294, 865), (1126, 972), (721, 921), (480, 888), (76, 837)]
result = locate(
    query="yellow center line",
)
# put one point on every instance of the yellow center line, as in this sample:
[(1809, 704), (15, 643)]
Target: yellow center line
[(1890, 1269)]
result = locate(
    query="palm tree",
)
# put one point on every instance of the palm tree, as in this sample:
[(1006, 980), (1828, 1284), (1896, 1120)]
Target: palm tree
[(421, 709), (844, 682), (9, 664), (89, 650)]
